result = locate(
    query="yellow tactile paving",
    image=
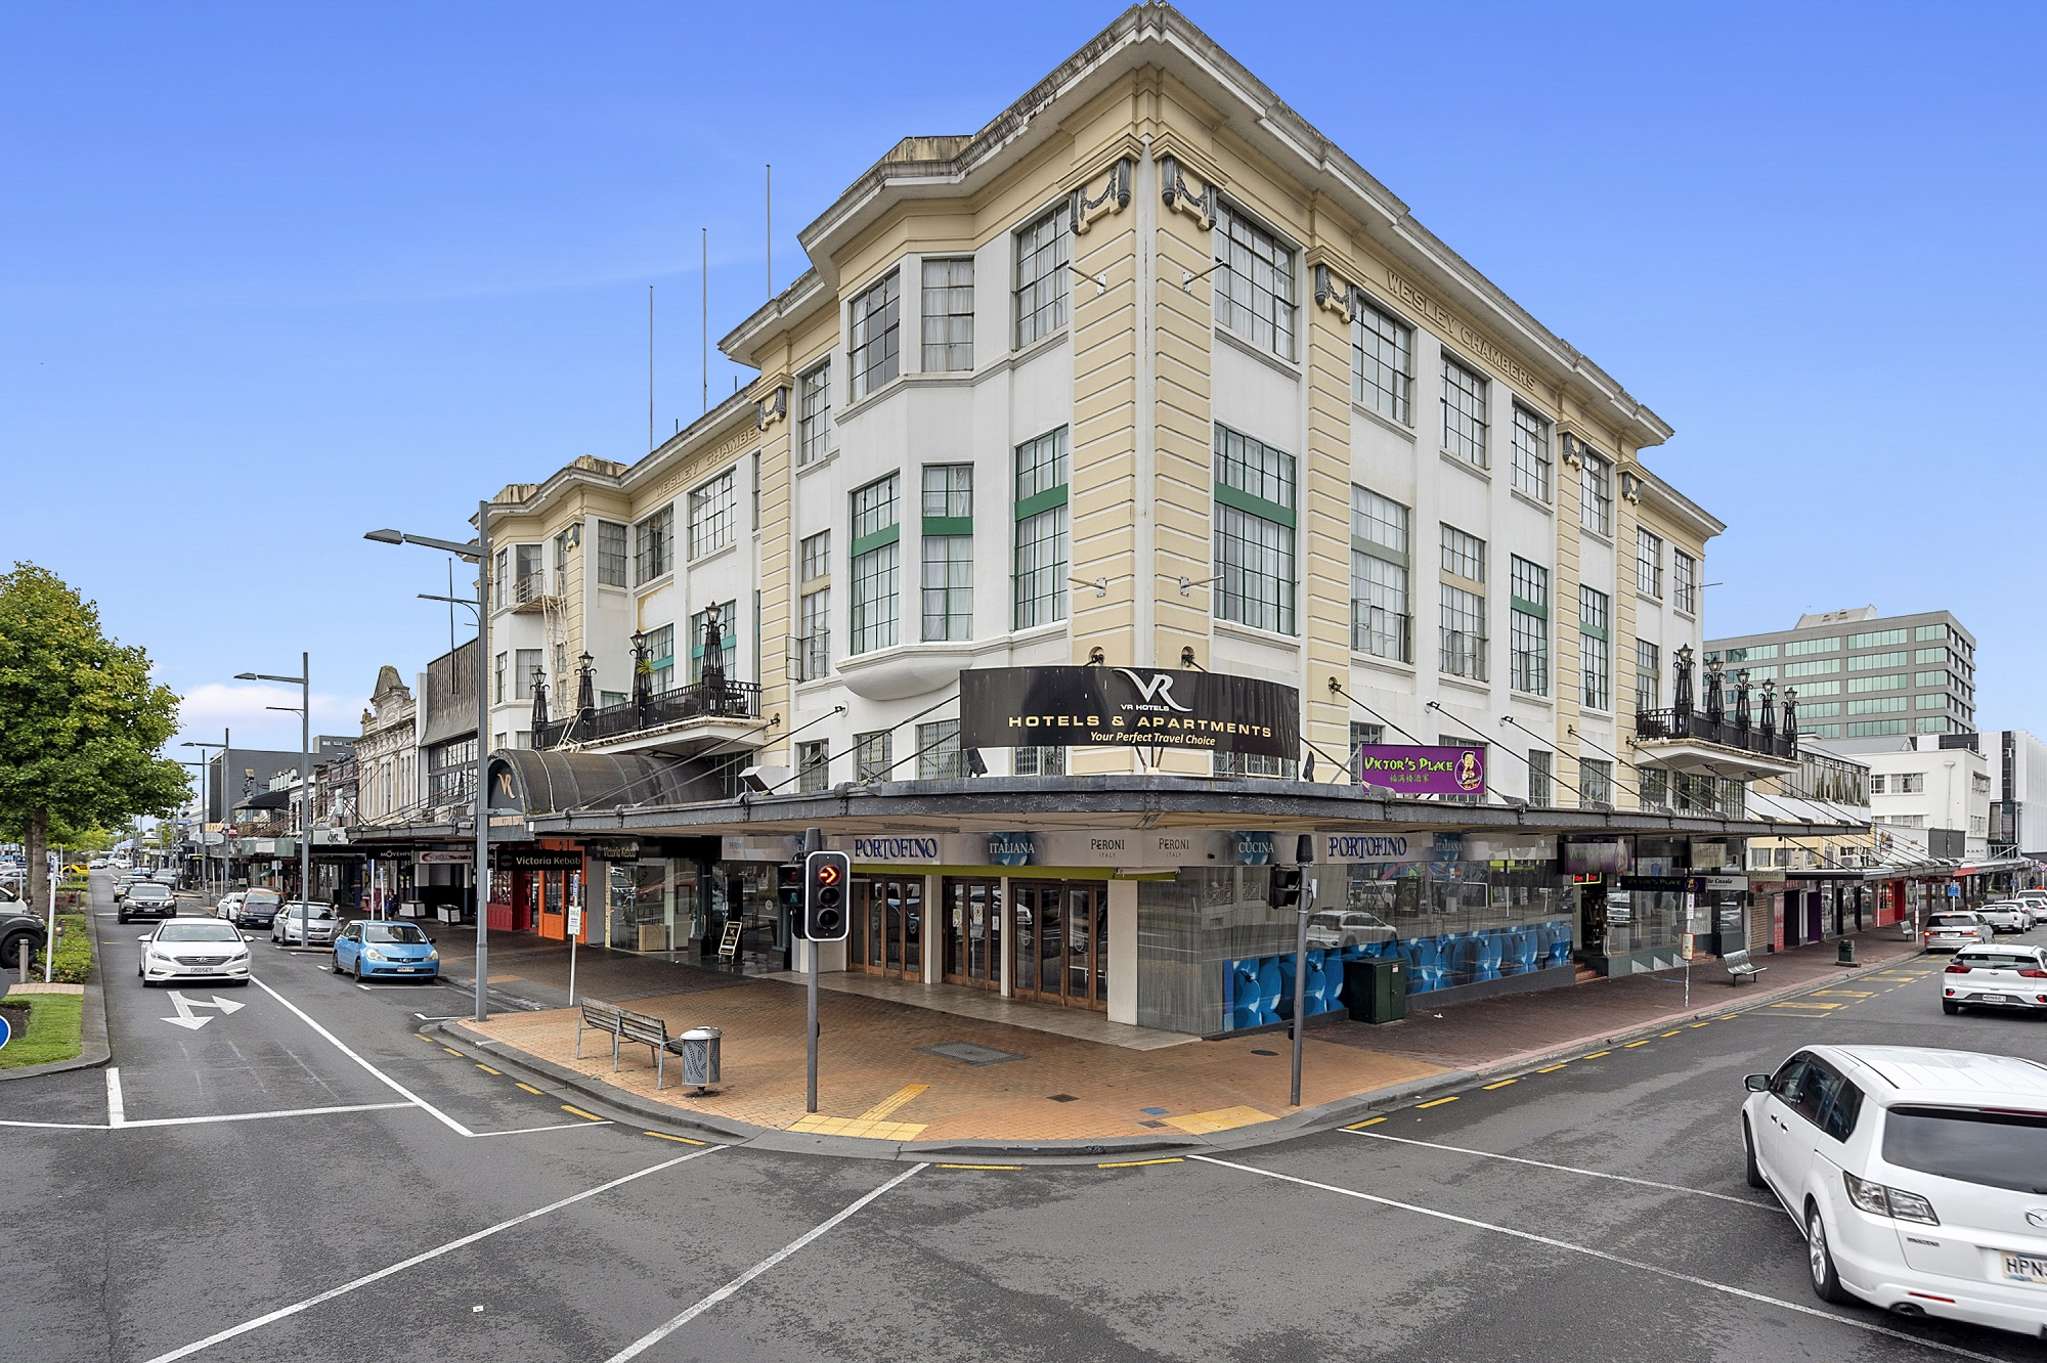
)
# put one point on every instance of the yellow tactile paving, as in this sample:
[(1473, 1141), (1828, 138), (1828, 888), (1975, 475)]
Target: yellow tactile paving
[(892, 1102), (1218, 1119), (818, 1125)]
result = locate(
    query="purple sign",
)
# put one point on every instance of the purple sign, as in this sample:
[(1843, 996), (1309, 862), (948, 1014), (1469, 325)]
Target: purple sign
[(1422, 769)]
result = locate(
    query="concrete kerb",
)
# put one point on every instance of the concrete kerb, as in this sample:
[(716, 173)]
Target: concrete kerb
[(1325, 1116), (93, 1047)]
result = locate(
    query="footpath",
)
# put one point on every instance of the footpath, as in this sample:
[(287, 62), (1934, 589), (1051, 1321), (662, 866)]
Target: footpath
[(910, 1081)]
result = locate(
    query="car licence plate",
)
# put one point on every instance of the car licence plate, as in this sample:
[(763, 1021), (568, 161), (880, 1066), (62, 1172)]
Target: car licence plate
[(2026, 1268), (412, 969), (1992, 998)]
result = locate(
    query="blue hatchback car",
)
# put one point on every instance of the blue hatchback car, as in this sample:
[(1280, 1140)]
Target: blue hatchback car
[(367, 949)]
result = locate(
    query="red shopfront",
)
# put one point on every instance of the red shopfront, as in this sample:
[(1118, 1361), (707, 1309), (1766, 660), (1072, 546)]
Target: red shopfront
[(532, 887)]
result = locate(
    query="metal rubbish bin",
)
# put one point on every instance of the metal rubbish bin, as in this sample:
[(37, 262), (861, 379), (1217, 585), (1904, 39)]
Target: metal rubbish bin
[(1375, 988), (702, 1058)]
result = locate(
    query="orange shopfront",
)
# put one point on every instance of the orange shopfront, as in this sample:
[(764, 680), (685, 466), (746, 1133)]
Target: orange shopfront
[(532, 888)]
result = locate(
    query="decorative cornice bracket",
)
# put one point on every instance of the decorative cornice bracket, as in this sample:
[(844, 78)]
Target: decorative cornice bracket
[(772, 408), (1335, 293), (1082, 209), (1174, 190)]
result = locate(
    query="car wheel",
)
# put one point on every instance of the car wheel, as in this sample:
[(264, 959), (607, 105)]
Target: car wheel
[(1748, 1152), (336, 966), (121, 917), (1826, 1284), (1949, 1007), (358, 970)]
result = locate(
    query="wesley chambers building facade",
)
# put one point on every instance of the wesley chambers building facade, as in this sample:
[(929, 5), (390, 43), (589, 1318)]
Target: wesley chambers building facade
[(1142, 391)]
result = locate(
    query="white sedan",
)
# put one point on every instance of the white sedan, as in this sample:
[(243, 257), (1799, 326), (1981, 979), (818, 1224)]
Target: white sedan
[(1918, 1176), (229, 905), (301, 922), (193, 949), (1995, 977), (2006, 915)]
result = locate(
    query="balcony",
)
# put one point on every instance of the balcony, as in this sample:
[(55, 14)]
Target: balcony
[(1690, 741), (711, 711), (533, 591)]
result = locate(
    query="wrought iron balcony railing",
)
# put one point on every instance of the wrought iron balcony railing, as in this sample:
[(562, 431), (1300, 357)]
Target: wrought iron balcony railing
[(1665, 725), (698, 700)]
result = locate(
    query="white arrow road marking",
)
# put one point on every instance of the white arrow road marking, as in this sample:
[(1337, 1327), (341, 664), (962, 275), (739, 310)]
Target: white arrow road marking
[(192, 1023)]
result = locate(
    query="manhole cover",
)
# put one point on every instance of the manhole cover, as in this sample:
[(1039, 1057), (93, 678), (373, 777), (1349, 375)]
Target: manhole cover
[(967, 1053)]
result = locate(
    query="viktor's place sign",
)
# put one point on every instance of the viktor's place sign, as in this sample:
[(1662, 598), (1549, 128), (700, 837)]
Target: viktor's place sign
[(1024, 707)]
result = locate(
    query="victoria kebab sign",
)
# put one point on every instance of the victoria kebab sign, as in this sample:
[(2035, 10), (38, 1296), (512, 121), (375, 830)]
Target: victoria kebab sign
[(1026, 707), (1421, 769)]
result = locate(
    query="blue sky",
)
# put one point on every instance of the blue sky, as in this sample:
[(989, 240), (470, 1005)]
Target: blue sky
[(273, 275)]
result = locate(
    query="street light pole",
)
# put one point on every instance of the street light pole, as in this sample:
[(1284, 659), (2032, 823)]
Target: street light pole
[(306, 795)]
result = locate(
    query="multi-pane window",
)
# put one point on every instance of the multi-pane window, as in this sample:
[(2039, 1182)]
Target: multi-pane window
[(1925, 632), (1464, 412), (1684, 582), (1528, 626), (1595, 649), (499, 665), (610, 554), (1381, 622), (1929, 655), (1876, 637), (816, 556), (873, 336), (813, 766), (525, 666), (814, 415), (1800, 648), (948, 587), (948, 315), (1363, 735), (1538, 777), (712, 514), (1532, 470), (501, 580), (814, 648), (875, 565), (1255, 764), (654, 545), (1595, 783), (873, 755), (1041, 265), (1867, 662), (1381, 361), (1041, 530), (1595, 493), (661, 658), (1038, 761), (1254, 283), (1812, 669), (1883, 681), (948, 491), (528, 581), (1878, 705), (1463, 606), (728, 640), (938, 751), (1254, 532), (1648, 563), (1648, 683)]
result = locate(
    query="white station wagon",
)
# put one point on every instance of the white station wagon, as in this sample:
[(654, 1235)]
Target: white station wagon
[(1918, 1175)]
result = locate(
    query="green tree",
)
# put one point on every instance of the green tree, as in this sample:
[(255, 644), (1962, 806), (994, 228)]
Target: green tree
[(80, 721)]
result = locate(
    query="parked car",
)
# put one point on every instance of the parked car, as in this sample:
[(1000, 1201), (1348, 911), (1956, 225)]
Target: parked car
[(165, 875), (18, 932), (1332, 929), (1916, 1175), (194, 949), (148, 899), (2036, 902), (228, 905), (301, 922), (1955, 928), (258, 908), (366, 948), (2013, 976), (2006, 915), (96, 864)]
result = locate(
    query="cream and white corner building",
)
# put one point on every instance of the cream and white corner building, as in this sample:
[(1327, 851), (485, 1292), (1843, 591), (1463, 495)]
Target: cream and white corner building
[(1145, 374)]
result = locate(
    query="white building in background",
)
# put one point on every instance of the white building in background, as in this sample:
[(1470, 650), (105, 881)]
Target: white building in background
[(1940, 783), (2018, 790)]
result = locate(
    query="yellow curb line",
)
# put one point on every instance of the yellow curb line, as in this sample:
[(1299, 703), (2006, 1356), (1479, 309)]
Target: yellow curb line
[(1630, 1045), (679, 1140), (1360, 1126), (488, 1070), (1595, 1055), (1701, 1024), (452, 1051), (530, 1089), (1499, 1085), (1436, 1102), (578, 1112), (989, 1166), (1140, 1163), (1552, 1069), (1674, 1031)]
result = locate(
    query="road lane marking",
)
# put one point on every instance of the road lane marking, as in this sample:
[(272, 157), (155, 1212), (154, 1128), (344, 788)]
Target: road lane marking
[(62, 1126), (1570, 1169), (1499, 1084), (134, 1122), (338, 1044), (670, 1326), (1141, 1163), (558, 1126), (463, 1242), (1606, 1256), (117, 1109), (1437, 1102), (1009, 1167)]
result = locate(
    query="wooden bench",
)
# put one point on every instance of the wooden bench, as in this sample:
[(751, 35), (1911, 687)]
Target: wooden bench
[(598, 1016), (1739, 967), (644, 1029)]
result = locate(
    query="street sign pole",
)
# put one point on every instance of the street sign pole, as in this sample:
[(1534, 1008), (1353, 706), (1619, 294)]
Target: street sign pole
[(50, 932), (813, 840), (1300, 986), (575, 932)]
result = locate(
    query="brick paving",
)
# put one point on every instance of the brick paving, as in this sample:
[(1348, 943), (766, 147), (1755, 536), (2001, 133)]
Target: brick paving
[(879, 1077)]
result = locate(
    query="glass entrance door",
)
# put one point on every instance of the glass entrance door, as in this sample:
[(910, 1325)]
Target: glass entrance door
[(973, 933), (1060, 939), (888, 926)]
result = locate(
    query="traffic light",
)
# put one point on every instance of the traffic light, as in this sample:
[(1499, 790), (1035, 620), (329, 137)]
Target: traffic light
[(789, 887), (826, 877), (1285, 891)]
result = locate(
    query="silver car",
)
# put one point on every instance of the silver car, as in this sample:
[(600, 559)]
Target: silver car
[(302, 923), (1955, 929)]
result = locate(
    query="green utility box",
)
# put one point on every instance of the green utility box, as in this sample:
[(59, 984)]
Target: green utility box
[(1375, 989)]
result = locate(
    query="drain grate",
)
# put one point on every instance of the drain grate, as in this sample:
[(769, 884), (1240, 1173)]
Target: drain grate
[(1064, 1098), (1258, 1052), (967, 1053)]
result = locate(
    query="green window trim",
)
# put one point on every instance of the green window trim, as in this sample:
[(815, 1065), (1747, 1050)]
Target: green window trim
[(1254, 506), (1374, 549), (880, 539), (1592, 631), (948, 525), (1040, 502), (1527, 607)]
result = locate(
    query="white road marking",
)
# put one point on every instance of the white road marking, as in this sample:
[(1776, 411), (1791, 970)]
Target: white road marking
[(1707, 1283), (236, 1331), (669, 1327), (191, 1021), (89, 1126), (443, 1118), (117, 1110), (263, 1116), (440, 1017), (1569, 1169), (528, 1130)]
